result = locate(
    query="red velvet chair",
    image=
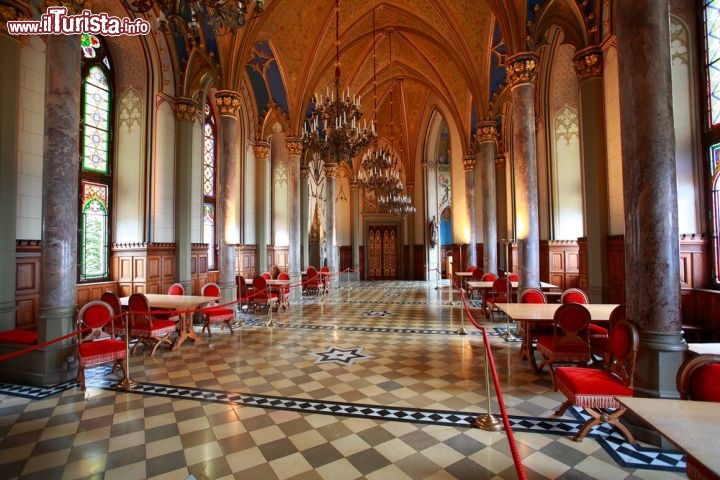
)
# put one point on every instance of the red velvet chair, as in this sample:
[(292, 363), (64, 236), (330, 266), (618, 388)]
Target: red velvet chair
[(600, 336), (147, 329), (513, 277), (313, 283), (243, 294), (96, 346), (531, 330), (477, 275), (574, 295), (284, 276), (214, 313), (176, 289), (569, 342), (595, 390), (111, 299), (698, 378), (501, 293), (264, 298)]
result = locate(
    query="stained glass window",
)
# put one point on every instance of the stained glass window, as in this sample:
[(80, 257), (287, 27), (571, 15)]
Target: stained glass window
[(95, 162), (209, 185), (712, 59), (94, 228)]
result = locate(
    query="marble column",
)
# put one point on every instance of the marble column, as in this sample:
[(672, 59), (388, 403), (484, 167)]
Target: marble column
[(60, 203), (9, 87), (228, 106), (294, 146), (304, 215), (589, 67), (485, 139), (433, 263), (521, 72), (504, 211), (262, 206), (652, 259), (186, 110), (411, 274), (469, 167), (356, 192), (330, 169)]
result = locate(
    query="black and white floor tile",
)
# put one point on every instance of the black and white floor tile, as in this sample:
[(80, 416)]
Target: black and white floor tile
[(327, 392)]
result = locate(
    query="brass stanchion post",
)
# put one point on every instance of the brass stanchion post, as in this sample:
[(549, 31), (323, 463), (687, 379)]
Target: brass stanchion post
[(127, 382), (488, 421)]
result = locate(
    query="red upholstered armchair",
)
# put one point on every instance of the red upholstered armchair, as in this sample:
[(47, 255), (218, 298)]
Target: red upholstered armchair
[(313, 282), (95, 345), (263, 298), (477, 275), (574, 295), (698, 378), (176, 289), (595, 390), (569, 341), (213, 312), (500, 293), (600, 337), (148, 330)]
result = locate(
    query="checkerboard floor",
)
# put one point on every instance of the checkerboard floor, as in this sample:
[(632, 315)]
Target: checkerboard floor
[(373, 382)]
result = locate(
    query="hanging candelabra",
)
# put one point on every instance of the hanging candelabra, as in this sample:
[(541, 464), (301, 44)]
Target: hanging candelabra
[(334, 128)]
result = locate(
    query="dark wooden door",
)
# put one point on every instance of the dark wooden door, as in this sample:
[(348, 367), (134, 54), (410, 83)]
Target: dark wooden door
[(382, 255)]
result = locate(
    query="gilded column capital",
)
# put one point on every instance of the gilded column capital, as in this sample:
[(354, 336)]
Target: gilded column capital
[(228, 103), (304, 172), (521, 69), (468, 162), (500, 161), (262, 150), (589, 63), (294, 145), (186, 109), (486, 131), (355, 185), (330, 169)]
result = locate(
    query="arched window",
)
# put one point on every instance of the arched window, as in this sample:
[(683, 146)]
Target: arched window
[(95, 161), (209, 186)]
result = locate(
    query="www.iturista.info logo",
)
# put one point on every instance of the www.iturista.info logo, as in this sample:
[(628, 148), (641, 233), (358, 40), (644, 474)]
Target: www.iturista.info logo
[(56, 21)]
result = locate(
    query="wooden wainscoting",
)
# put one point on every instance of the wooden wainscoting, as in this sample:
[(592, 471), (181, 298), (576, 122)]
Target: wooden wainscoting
[(345, 257), (278, 259), (87, 292), (246, 260), (560, 263), (199, 261), (694, 260), (27, 282), (143, 267)]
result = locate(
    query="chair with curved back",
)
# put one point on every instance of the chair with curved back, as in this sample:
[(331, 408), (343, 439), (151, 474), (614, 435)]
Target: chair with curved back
[(111, 299), (501, 293), (214, 313), (698, 378), (600, 336), (264, 298), (477, 275), (531, 330), (176, 289), (569, 342), (146, 328), (313, 283), (284, 276), (513, 277), (266, 275), (595, 390), (243, 294), (574, 295), (98, 346)]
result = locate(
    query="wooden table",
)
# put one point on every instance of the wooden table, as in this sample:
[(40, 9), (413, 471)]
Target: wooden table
[(704, 348), (487, 285), (544, 312), (185, 305), (693, 426), (281, 286)]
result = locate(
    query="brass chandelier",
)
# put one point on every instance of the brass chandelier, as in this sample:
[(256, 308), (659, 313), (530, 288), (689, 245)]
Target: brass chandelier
[(334, 129), (185, 16)]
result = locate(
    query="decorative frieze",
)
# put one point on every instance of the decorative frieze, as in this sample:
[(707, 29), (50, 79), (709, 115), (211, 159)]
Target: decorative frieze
[(228, 103)]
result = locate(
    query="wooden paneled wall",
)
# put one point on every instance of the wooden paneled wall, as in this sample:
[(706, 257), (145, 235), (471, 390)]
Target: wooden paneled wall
[(278, 259), (27, 282), (143, 267), (246, 261), (560, 263), (199, 261)]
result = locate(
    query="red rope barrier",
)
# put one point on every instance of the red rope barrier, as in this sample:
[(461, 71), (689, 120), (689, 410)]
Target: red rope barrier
[(519, 469)]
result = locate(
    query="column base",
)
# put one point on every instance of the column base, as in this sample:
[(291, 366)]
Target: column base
[(40, 367)]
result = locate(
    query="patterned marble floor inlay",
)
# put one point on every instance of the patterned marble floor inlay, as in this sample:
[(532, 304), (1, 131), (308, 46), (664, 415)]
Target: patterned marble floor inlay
[(370, 381), (341, 356)]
